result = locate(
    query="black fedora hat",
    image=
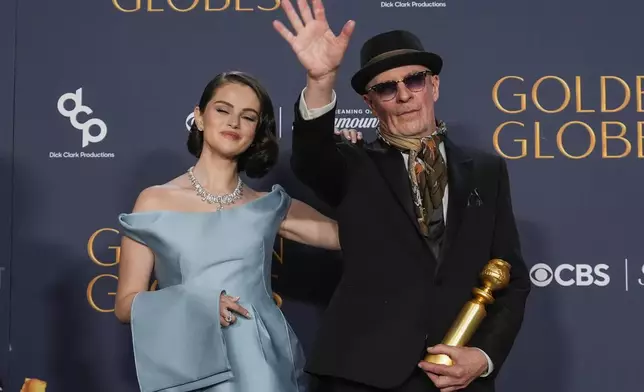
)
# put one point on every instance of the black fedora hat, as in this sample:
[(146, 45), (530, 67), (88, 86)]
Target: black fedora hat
[(390, 50)]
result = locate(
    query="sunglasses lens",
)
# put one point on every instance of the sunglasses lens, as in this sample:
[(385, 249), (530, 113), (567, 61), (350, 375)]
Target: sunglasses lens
[(386, 90), (415, 82)]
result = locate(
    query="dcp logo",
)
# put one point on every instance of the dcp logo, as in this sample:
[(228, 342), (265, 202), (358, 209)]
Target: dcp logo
[(77, 98), (542, 275)]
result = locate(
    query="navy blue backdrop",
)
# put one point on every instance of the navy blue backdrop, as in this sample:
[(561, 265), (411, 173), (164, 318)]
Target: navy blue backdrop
[(556, 88), (7, 48)]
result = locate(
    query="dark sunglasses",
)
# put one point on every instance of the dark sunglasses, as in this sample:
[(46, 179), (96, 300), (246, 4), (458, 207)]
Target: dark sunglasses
[(386, 91)]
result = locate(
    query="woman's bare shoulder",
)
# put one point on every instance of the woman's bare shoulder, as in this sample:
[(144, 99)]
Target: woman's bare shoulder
[(162, 196)]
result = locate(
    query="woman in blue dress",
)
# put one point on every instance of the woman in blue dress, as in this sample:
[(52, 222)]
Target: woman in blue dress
[(213, 324)]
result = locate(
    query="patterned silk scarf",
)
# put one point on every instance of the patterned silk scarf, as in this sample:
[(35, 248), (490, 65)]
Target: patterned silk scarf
[(427, 173)]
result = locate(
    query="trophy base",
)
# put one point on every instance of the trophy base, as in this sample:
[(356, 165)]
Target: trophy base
[(439, 359)]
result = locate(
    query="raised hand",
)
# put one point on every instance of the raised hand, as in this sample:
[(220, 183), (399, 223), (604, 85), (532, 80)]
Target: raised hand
[(316, 47)]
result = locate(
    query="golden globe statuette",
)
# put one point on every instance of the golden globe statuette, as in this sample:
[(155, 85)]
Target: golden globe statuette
[(33, 385), (495, 276)]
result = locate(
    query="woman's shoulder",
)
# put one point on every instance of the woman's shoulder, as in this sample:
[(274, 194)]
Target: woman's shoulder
[(275, 189), (159, 197)]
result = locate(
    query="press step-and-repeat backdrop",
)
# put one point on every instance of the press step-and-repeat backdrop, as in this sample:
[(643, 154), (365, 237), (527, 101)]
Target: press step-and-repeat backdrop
[(554, 87)]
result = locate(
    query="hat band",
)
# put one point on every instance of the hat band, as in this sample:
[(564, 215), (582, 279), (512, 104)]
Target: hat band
[(392, 53)]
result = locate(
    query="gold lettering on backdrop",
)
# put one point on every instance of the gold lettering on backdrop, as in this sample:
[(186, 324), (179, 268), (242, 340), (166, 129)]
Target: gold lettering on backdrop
[(92, 254), (195, 3), (605, 137), (511, 139), (591, 145), (578, 97), (495, 96), (118, 6), (639, 92), (640, 139), (522, 142), (239, 8), (537, 143), (511, 127), (627, 94), (224, 7), (279, 256), (152, 9), (535, 94), (90, 292), (206, 5), (276, 5), (91, 286)]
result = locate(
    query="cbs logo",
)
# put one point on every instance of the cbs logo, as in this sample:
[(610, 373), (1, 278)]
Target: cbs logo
[(542, 275)]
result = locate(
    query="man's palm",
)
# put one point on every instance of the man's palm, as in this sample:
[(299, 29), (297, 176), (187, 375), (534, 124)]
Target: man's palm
[(319, 51), (314, 44)]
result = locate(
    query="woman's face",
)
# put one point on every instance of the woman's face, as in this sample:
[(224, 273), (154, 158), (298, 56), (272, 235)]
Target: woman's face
[(229, 120)]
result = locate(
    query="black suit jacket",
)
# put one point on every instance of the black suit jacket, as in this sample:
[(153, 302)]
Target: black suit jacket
[(395, 299)]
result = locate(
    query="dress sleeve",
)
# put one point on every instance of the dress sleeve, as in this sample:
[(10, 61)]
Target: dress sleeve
[(177, 338), (285, 202), (137, 226)]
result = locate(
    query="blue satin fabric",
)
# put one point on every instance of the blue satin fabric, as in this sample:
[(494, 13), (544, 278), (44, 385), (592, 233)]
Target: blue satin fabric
[(179, 344)]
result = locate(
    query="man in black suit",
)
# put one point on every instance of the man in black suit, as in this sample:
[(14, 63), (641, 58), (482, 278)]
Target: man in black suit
[(419, 218)]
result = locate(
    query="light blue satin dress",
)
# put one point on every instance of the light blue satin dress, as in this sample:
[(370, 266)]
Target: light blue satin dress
[(179, 343)]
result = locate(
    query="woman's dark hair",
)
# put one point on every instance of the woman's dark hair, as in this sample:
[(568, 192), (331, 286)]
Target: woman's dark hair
[(262, 154)]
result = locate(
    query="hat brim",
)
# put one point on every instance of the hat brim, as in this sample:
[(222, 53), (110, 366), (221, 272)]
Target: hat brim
[(364, 75)]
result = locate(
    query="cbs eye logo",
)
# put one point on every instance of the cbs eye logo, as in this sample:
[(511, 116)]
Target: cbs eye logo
[(542, 275), (189, 121)]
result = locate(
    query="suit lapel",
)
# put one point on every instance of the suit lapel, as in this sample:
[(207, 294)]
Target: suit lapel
[(459, 171), (459, 168), (391, 164)]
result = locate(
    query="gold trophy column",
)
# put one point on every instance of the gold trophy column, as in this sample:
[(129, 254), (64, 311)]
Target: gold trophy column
[(495, 276)]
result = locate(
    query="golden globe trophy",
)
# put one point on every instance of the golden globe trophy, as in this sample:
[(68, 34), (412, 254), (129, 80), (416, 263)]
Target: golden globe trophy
[(495, 276)]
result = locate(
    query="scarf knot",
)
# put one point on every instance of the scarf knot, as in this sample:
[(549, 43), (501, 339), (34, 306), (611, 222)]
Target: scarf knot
[(427, 172)]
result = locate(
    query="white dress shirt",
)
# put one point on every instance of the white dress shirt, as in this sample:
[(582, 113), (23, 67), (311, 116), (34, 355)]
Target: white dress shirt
[(310, 114)]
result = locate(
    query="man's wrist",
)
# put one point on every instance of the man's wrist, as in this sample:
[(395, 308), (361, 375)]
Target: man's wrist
[(319, 91), (489, 366)]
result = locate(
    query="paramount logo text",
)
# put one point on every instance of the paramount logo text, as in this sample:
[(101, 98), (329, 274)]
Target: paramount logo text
[(355, 119)]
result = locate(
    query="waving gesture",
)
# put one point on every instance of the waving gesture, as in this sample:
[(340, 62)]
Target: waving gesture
[(318, 49)]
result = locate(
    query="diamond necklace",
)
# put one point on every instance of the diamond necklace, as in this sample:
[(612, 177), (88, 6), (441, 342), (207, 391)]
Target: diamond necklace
[(209, 198)]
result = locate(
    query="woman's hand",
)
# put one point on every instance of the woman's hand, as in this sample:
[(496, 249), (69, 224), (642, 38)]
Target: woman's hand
[(228, 306), (350, 134)]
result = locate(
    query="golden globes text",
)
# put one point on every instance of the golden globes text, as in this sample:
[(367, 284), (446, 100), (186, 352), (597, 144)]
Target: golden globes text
[(581, 106), (154, 6)]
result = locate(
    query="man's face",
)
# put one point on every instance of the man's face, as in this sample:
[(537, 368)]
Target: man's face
[(403, 100)]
